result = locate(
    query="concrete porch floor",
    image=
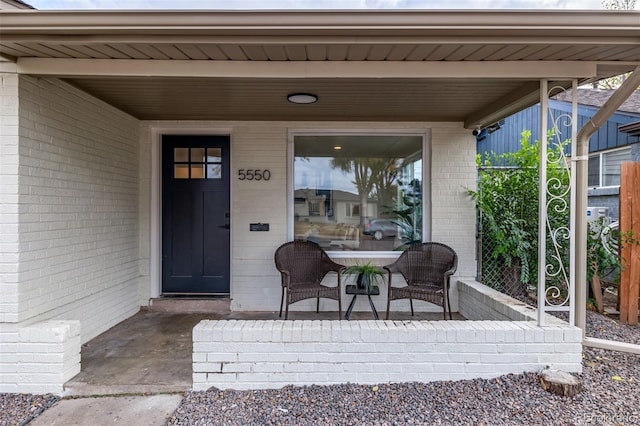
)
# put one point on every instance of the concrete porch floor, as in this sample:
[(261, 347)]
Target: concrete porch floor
[(151, 352)]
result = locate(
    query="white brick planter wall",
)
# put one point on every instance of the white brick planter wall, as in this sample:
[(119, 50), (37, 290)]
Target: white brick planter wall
[(500, 337), (39, 358), (272, 354), (479, 302), (49, 354)]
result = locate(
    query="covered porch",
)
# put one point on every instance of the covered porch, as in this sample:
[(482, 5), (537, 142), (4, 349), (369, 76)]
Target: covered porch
[(152, 351), (93, 100), (175, 346)]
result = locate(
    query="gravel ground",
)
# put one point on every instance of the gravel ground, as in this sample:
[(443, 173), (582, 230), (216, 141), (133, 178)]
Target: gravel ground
[(604, 327), (20, 409), (611, 382), (610, 397)]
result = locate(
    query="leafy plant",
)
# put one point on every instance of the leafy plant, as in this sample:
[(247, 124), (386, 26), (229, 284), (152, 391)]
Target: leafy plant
[(408, 215), (367, 274), (604, 244), (409, 219), (507, 200), (600, 260)]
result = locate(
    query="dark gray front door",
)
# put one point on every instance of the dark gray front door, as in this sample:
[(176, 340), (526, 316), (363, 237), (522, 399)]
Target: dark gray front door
[(195, 214)]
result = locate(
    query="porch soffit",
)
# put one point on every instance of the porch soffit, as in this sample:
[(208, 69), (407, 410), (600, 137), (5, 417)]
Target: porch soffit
[(469, 66)]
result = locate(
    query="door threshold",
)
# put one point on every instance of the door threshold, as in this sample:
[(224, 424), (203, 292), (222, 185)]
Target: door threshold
[(192, 304), (199, 296)]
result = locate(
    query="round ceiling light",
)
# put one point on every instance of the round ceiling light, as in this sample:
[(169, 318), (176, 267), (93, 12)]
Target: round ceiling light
[(302, 98)]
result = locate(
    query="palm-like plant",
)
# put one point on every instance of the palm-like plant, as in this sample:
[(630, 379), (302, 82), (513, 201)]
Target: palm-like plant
[(368, 275)]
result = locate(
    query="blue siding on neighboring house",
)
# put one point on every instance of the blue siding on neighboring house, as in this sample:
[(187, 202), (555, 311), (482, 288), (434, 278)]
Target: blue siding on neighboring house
[(608, 136), (507, 138)]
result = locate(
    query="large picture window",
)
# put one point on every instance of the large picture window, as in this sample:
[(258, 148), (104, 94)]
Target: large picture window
[(357, 192)]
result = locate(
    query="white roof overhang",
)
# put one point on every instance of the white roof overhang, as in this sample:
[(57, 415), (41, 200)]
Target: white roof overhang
[(470, 66)]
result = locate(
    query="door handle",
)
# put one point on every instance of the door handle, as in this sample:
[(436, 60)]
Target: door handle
[(227, 226)]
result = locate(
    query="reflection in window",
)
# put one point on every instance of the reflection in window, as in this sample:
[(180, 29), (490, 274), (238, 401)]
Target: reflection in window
[(352, 210), (197, 155), (214, 171), (354, 192), (181, 155), (214, 155)]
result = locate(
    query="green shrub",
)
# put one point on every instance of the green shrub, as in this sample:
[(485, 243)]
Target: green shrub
[(507, 202)]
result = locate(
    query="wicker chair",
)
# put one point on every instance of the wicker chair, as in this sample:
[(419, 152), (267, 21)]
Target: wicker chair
[(427, 269), (303, 265)]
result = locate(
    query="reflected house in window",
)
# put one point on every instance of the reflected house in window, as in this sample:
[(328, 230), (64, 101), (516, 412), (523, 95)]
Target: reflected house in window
[(346, 185), (332, 221)]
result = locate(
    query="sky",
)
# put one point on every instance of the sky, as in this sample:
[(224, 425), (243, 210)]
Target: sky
[(317, 4)]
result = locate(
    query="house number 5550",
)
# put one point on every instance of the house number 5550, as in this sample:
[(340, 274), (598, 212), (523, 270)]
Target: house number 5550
[(254, 174)]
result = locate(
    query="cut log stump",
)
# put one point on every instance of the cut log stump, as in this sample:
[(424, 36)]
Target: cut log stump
[(560, 382)]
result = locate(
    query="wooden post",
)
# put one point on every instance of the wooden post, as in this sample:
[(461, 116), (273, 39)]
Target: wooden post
[(634, 280), (597, 289), (629, 252), (625, 249)]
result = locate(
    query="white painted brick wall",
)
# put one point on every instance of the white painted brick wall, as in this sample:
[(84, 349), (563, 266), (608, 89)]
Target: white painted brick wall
[(9, 206), (39, 358), (49, 356), (479, 302), (9, 338), (255, 283), (78, 192), (453, 172), (501, 337), (69, 181), (144, 215), (272, 354)]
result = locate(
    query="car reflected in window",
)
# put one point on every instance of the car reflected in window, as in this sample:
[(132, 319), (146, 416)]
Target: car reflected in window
[(381, 228)]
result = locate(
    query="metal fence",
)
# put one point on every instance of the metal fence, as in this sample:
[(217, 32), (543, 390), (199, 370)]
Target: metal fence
[(502, 272), (507, 261), (495, 272)]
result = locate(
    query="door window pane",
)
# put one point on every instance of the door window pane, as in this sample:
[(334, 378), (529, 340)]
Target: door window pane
[(181, 171), (197, 171), (181, 155), (356, 192), (214, 171), (191, 163), (197, 155), (214, 155)]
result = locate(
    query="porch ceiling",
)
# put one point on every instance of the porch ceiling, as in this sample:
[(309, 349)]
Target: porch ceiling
[(469, 66), (266, 99)]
